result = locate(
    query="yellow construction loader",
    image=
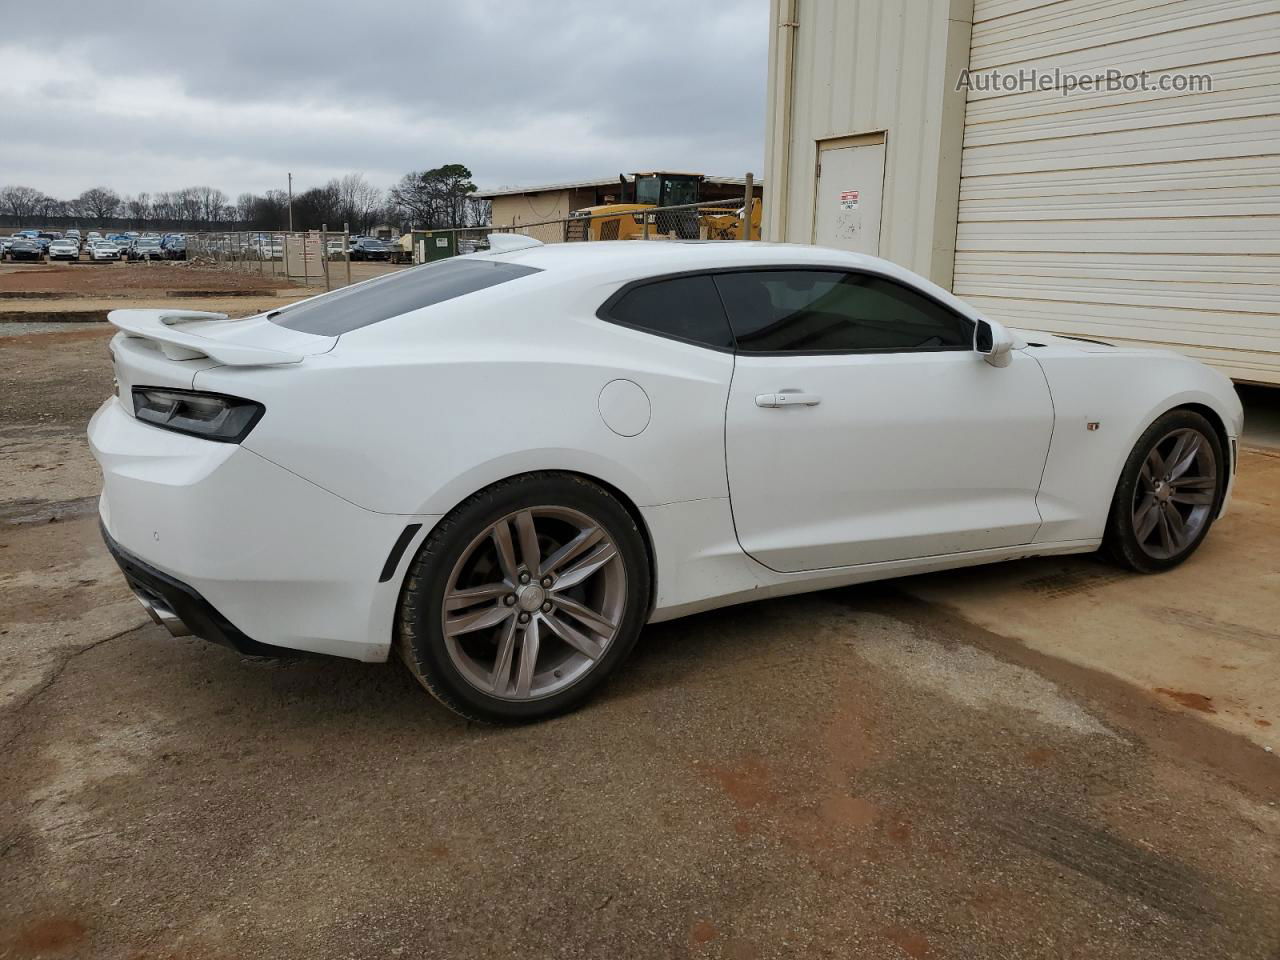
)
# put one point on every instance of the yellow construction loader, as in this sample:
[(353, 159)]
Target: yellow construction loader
[(642, 193), (728, 226)]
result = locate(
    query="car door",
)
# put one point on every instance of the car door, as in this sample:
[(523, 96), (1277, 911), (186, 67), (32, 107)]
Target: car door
[(862, 426)]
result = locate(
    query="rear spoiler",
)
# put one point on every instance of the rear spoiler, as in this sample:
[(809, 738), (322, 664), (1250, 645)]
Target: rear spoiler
[(160, 326), (510, 242)]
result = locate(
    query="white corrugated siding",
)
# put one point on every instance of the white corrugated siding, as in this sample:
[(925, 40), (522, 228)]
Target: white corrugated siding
[(1141, 217), (867, 66)]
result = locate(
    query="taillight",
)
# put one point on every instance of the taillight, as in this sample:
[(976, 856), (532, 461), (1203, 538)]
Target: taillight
[(212, 416)]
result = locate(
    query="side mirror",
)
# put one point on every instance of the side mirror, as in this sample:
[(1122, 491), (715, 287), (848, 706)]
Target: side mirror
[(994, 342)]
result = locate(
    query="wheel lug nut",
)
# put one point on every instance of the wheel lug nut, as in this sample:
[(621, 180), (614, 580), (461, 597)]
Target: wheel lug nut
[(509, 599), (546, 607), (524, 578), (546, 581), (524, 618)]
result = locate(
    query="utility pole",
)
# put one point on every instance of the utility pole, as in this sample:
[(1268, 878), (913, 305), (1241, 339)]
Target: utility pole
[(291, 203)]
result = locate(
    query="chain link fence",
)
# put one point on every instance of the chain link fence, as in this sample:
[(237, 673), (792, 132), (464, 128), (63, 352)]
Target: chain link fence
[(324, 257), (310, 257)]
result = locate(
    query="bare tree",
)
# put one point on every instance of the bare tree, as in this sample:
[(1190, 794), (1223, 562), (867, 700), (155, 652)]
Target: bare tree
[(189, 204), (49, 207), (20, 202), (100, 203), (439, 197), (209, 203), (139, 208), (478, 212), (318, 206), (164, 207), (359, 201)]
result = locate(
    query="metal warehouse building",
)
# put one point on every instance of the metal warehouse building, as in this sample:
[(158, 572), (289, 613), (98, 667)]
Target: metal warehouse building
[(1129, 209)]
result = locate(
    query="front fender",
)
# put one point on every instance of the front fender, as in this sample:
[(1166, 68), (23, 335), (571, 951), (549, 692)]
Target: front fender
[(1103, 401)]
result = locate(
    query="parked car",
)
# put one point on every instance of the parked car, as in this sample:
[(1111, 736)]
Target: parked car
[(335, 249), (175, 246), (25, 248), (72, 234), (100, 250), (93, 235), (367, 248), (146, 248), (64, 249), (5, 242), (650, 430)]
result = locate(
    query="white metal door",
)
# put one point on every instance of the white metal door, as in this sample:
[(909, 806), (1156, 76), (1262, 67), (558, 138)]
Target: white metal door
[(886, 456), (1135, 215), (850, 181)]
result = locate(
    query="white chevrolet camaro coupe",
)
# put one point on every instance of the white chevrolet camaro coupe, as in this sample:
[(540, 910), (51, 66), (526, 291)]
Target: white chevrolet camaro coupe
[(503, 465)]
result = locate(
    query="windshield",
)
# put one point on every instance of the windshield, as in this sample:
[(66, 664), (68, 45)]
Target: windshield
[(681, 190), (373, 301), (648, 190)]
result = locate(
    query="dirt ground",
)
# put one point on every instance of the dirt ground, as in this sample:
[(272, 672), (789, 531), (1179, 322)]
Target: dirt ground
[(82, 293), (103, 279), (164, 278), (977, 764)]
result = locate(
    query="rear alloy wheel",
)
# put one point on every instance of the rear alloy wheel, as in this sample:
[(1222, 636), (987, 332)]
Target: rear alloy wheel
[(1169, 494), (524, 598)]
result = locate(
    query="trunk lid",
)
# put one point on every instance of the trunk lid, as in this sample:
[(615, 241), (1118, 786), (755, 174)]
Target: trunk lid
[(167, 348)]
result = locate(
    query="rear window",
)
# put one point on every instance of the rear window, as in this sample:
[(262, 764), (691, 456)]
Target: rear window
[(351, 308), (686, 308)]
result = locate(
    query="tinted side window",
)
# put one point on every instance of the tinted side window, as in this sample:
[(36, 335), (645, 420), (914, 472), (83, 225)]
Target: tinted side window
[(684, 307), (350, 308), (819, 311)]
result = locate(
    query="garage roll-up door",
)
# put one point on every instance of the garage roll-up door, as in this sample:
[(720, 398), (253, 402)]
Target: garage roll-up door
[(1135, 216)]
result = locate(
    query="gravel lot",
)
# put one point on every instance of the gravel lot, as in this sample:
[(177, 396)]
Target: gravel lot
[(857, 773), (105, 279)]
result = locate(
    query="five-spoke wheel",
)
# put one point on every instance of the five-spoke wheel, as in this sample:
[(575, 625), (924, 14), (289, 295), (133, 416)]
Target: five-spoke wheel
[(1169, 493), (524, 598), (1176, 490), (533, 602)]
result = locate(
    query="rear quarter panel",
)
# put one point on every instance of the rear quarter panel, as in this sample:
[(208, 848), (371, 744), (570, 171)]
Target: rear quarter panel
[(414, 414)]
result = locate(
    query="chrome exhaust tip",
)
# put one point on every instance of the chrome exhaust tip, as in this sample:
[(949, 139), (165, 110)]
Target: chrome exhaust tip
[(163, 616), (148, 606)]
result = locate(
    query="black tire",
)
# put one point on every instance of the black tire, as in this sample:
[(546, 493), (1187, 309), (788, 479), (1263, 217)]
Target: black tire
[(1121, 541), (419, 637)]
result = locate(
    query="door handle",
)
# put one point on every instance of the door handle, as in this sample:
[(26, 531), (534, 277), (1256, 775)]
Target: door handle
[(787, 400)]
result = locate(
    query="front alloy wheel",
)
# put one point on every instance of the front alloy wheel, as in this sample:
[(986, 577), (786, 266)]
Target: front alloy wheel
[(524, 598), (1169, 493), (1176, 490)]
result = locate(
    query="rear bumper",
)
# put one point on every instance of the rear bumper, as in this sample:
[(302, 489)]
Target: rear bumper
[(180, 609), (242, 551)]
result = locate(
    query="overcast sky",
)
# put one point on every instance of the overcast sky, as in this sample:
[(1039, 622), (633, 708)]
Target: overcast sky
[(233, 94)]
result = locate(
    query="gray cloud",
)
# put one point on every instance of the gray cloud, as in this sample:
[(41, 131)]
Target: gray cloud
[(234, 94)]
